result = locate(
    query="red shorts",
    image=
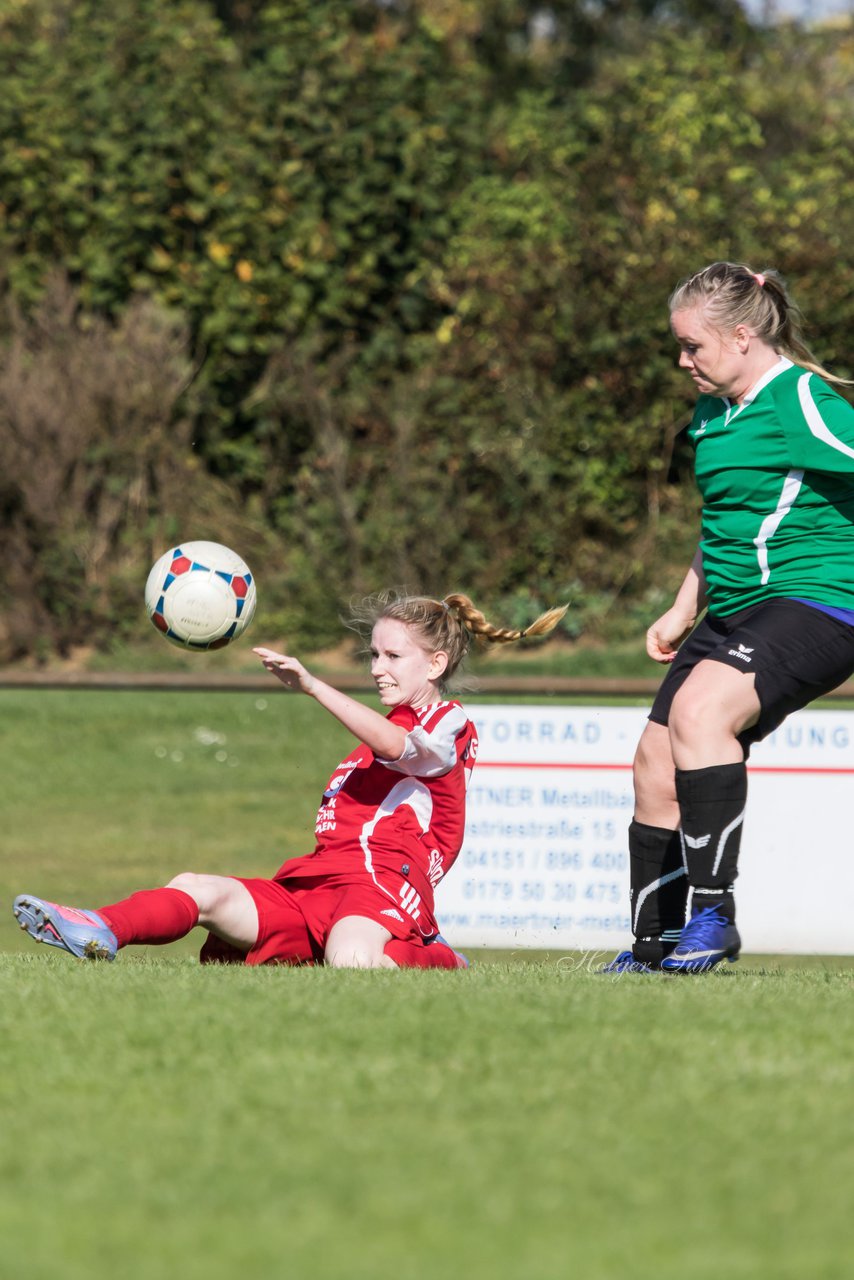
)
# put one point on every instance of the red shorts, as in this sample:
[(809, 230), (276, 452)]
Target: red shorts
[(296, 915)]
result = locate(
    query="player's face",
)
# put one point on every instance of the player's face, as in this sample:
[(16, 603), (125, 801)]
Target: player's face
[(714, 358), (404, 673)]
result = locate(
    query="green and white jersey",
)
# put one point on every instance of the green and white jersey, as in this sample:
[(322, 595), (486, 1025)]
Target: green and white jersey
[(777, 478)]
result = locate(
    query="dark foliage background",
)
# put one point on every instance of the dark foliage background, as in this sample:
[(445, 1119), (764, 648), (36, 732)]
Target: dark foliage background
[(376, 293)]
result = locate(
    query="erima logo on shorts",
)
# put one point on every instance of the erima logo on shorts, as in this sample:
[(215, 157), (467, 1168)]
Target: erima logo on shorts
[(741, 653), (390, 911)]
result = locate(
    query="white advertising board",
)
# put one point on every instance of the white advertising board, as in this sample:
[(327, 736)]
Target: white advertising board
[(545, 858)]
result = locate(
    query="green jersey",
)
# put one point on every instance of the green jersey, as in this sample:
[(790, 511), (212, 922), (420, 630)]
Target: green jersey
[(776, 473)]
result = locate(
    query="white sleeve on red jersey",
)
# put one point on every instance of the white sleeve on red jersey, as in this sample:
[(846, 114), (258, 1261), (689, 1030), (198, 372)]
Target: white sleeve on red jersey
[(431, 746)]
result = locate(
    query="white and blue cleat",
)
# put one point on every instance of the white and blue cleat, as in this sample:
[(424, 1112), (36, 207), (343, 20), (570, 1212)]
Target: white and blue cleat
[(81, 933)]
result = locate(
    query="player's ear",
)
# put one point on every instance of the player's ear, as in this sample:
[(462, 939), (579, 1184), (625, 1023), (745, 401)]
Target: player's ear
[(438, 665), (743, 336)]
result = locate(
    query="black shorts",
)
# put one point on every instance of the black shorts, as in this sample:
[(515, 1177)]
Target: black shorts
[(796, 653)]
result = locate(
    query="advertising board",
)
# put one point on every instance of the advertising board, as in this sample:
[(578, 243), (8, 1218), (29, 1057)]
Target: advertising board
[(545, 859)]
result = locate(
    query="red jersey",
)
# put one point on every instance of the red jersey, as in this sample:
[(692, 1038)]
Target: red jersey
[(389, 819)]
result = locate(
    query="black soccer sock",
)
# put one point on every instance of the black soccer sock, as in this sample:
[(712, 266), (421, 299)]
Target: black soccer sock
[(659, 889), (711, 802)]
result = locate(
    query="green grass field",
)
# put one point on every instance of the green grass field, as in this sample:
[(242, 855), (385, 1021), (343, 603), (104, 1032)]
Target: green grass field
[(525, 1120), (105, 792)]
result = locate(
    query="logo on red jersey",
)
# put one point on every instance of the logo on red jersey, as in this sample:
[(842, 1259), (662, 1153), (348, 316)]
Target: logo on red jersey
[(435, 870)]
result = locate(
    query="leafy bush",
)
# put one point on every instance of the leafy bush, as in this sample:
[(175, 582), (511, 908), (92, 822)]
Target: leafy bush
[(98, 466), (380, 291)]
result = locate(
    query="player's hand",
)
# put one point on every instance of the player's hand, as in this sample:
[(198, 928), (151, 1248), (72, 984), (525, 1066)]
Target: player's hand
[(666, 634), (291, 672)]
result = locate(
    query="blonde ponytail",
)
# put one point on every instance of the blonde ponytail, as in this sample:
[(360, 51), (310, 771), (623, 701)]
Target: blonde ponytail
[(450, 625)]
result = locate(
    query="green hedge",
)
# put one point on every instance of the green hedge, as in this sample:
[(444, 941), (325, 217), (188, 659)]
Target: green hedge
[(381, 290)]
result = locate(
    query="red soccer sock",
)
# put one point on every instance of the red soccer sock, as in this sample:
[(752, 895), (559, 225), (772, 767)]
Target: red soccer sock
[(152, 916), (417, 955)]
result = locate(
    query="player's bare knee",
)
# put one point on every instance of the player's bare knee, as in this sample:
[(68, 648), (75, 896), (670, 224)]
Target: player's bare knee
[(355, 942), (694, 712), (345, 960), (206, 891), (352, 957), (187, 882), (654, 779), (652, 768)]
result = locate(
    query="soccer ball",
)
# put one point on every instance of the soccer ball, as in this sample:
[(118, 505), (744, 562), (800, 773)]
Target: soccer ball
[(200, 595)]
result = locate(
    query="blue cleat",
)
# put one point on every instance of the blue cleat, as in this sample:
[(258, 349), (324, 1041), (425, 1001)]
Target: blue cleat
[(82, 933), (707, 938), (626, 962), (462, 961)]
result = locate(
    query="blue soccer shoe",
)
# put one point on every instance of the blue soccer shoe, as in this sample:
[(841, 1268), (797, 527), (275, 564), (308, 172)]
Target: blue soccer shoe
[(462, 961), (82, 933), (707, 938)]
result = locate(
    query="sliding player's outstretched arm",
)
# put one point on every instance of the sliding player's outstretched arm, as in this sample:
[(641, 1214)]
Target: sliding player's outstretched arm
[(385, 739)]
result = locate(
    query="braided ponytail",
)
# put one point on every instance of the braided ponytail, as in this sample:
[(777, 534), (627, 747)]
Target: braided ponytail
[(450, 625), (475, 622)]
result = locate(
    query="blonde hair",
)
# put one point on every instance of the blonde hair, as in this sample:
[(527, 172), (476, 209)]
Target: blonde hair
[(450, 625), (731, 294)]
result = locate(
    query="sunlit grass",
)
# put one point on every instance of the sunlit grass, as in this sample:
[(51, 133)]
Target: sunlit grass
[(106, 792), (526, 1120), (517, 1120)]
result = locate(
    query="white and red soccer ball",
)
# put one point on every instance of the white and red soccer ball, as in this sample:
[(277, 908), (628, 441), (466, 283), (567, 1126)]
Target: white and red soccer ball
[(200, 595)]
